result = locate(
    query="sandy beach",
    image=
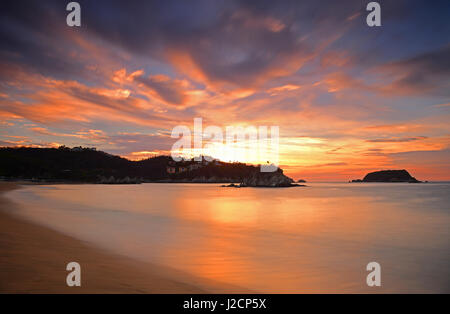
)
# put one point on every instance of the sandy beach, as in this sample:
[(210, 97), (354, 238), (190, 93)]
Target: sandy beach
[(33, 260)]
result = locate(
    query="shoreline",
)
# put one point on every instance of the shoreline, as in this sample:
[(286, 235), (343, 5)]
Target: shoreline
[(223, 184), (33, 259)]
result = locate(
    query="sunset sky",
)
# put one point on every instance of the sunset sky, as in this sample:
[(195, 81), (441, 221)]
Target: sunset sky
[(348, 98)]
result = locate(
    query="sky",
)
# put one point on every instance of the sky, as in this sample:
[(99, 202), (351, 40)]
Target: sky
[(347, 98)]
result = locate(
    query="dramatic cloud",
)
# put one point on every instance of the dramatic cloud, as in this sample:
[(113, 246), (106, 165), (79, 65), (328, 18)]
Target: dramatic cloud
[(428, 72), (347, 97), (168, 90), (396, 140)]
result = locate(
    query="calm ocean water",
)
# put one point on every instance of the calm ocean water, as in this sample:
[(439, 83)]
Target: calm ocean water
[(314, 239)]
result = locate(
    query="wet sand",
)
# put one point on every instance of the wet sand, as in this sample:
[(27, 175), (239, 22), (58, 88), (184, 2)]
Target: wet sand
[(33, 259)]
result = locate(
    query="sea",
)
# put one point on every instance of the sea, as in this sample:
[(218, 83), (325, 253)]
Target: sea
[(314, 239)]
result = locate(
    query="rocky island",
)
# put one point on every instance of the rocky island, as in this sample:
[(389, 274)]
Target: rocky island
[(388, 176)]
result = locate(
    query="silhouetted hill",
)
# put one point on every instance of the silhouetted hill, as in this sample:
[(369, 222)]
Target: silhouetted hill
[(78, 164), (89, 165)]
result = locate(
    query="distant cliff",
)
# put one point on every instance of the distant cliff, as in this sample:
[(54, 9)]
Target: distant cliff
[(88, 165), (389, 176)]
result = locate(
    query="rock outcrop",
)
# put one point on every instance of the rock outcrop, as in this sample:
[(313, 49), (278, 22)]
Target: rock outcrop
[(267, 179)]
